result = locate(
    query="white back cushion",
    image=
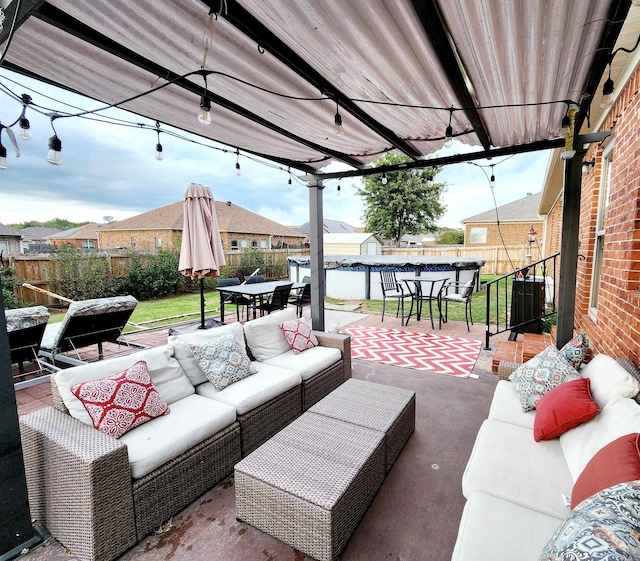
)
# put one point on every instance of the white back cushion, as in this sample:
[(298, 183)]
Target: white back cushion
[(264, 336), (620, 416), (182, 348), (165, 372), (609, 380)]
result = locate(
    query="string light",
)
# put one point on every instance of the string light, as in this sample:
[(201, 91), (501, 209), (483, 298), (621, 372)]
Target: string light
[(339, 130), (238, 170), (338, 190), (204, 116), (289, 182), (448, 135), (25, 126), (3, 151), (159, 155), (54, 156), (492, 179), (384, 179)]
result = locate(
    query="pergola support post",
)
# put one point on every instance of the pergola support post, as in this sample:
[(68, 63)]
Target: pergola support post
[(569, 249), (316, 257)]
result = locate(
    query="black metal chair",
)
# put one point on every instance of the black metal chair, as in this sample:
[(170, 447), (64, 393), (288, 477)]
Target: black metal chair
[(463, 294), (301, 298), (391, 288), (254, 278), (237, 299), (431, 294), (277, 300)]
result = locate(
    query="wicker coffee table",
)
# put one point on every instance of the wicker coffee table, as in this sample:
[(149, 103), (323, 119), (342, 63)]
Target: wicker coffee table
[(374, 406), (311, 483)]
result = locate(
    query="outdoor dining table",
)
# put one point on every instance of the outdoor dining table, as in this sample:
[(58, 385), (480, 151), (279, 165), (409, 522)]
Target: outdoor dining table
[(426, 287), (254, 291)]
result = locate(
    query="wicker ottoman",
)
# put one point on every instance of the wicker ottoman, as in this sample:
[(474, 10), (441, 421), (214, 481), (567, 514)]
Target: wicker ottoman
[(375, 406), (311, 483)]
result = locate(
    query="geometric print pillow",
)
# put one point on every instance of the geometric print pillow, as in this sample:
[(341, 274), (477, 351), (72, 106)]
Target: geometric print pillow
[(299, 335), (542, 373), (121, 402), (603, 527), (576, 349), (223, 361)]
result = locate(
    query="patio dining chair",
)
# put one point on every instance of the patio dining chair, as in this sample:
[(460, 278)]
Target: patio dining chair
[(393, 289), (88, 322), (25, 328), (254, 278), (301, 298), (462, 293), (277, 300), (237, 299)]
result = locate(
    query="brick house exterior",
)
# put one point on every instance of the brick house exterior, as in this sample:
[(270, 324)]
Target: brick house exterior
[(9, 241), (516, 220), (240, 229), (84, 237), (608, 270)]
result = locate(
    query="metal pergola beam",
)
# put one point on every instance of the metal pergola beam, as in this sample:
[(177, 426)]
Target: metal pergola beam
[(242, 20), (27, 8), (437, 33), (59, 19)]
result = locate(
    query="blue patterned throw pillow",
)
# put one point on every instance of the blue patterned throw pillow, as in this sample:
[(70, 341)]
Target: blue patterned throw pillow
[(223, 361), (604, 527), (542, 373), (576, 349)]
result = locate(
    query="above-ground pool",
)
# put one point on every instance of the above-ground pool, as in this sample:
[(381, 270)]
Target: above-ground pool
[(357, 277)]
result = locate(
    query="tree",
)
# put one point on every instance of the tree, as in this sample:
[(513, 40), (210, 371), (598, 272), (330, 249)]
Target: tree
[(450, 236), (60, 223), (409, 202)]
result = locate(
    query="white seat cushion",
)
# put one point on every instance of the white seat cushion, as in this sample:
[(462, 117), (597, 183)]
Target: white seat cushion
[(190, 421), (182, 348), (308, 363), (50, 336), (508, 463), (492, 529), (165, 372), (506, 406), (620, 416), (264, 336), (247, 394)]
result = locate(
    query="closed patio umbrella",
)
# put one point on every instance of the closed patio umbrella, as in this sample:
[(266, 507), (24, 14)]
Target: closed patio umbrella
[(201, 253)]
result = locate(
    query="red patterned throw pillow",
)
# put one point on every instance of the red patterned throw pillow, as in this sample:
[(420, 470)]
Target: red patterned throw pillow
[(121, 402), (299, 334)]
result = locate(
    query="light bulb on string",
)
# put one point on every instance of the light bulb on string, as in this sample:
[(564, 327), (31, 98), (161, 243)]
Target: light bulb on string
[(338, 190), (3, 152), (384, 179), (204, 115), (448, 134), (54, 156), (338, 122), (238, 170), (23, 122), (289, 182), (159, 155), (492, 180)]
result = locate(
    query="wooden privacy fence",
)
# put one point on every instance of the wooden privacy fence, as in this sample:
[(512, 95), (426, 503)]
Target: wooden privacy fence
[(35, 270), (496, 257)]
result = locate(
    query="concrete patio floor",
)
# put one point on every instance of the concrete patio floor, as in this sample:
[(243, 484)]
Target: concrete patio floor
[(414, 516)]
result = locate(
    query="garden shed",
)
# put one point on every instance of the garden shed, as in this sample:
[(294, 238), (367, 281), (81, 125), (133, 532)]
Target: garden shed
[(351, 244)]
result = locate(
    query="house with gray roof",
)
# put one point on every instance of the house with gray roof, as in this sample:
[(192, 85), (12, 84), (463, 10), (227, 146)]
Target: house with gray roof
[(9, 242), (328, 227), (34, 238), (516, 220)]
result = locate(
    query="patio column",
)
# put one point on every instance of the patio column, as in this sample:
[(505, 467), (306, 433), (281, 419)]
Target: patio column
[(316, 230), (16, 531), (569, 248)]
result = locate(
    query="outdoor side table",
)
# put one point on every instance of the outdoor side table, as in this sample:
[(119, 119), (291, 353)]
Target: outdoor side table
[(375, 406), (311, 483)]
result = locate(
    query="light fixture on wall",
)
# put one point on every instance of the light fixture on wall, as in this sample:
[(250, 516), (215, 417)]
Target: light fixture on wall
[(607, 92), (159, 155), (54, 156), (337, 121), (587, 165)]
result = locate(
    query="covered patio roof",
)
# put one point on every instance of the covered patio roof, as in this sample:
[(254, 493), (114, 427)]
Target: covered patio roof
[(277, 72)]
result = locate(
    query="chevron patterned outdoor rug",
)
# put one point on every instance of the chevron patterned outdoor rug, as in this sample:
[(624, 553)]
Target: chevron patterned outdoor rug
[(421, 351)]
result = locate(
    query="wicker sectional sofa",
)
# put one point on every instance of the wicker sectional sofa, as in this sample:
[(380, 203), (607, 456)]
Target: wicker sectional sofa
[(518, 490), (99, 495)]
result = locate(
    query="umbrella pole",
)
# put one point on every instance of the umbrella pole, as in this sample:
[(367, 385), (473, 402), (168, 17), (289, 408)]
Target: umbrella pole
[(202, 304)]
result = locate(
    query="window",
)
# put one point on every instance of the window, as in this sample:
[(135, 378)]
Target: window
[(477, 235), (158, 242), (254, 244), (4, 248), (88, 244), (263, 244), (234, 245), (601, 225), (245, 244), (133, 242)]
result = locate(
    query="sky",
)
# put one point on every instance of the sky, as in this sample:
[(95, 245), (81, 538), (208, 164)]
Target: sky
[(111, 171)]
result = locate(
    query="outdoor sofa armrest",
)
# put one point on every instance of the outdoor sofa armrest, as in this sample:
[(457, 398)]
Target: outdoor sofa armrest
[(505, 368), (337, 341), (79, 484)]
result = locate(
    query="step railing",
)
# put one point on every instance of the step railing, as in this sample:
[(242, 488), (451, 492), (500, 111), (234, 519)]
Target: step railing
[(521, 300)]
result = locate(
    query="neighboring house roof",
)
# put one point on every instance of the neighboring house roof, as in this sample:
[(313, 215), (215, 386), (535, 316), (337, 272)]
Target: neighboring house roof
[(348, 238), (419, 238), (522, 210), (38, 233), (328, 227), (231, 219), (8, 231), (86, 232)]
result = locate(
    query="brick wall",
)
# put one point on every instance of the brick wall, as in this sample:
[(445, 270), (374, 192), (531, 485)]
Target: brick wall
[(616, 328), (513, 233), (14, 245), (140, 240)]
